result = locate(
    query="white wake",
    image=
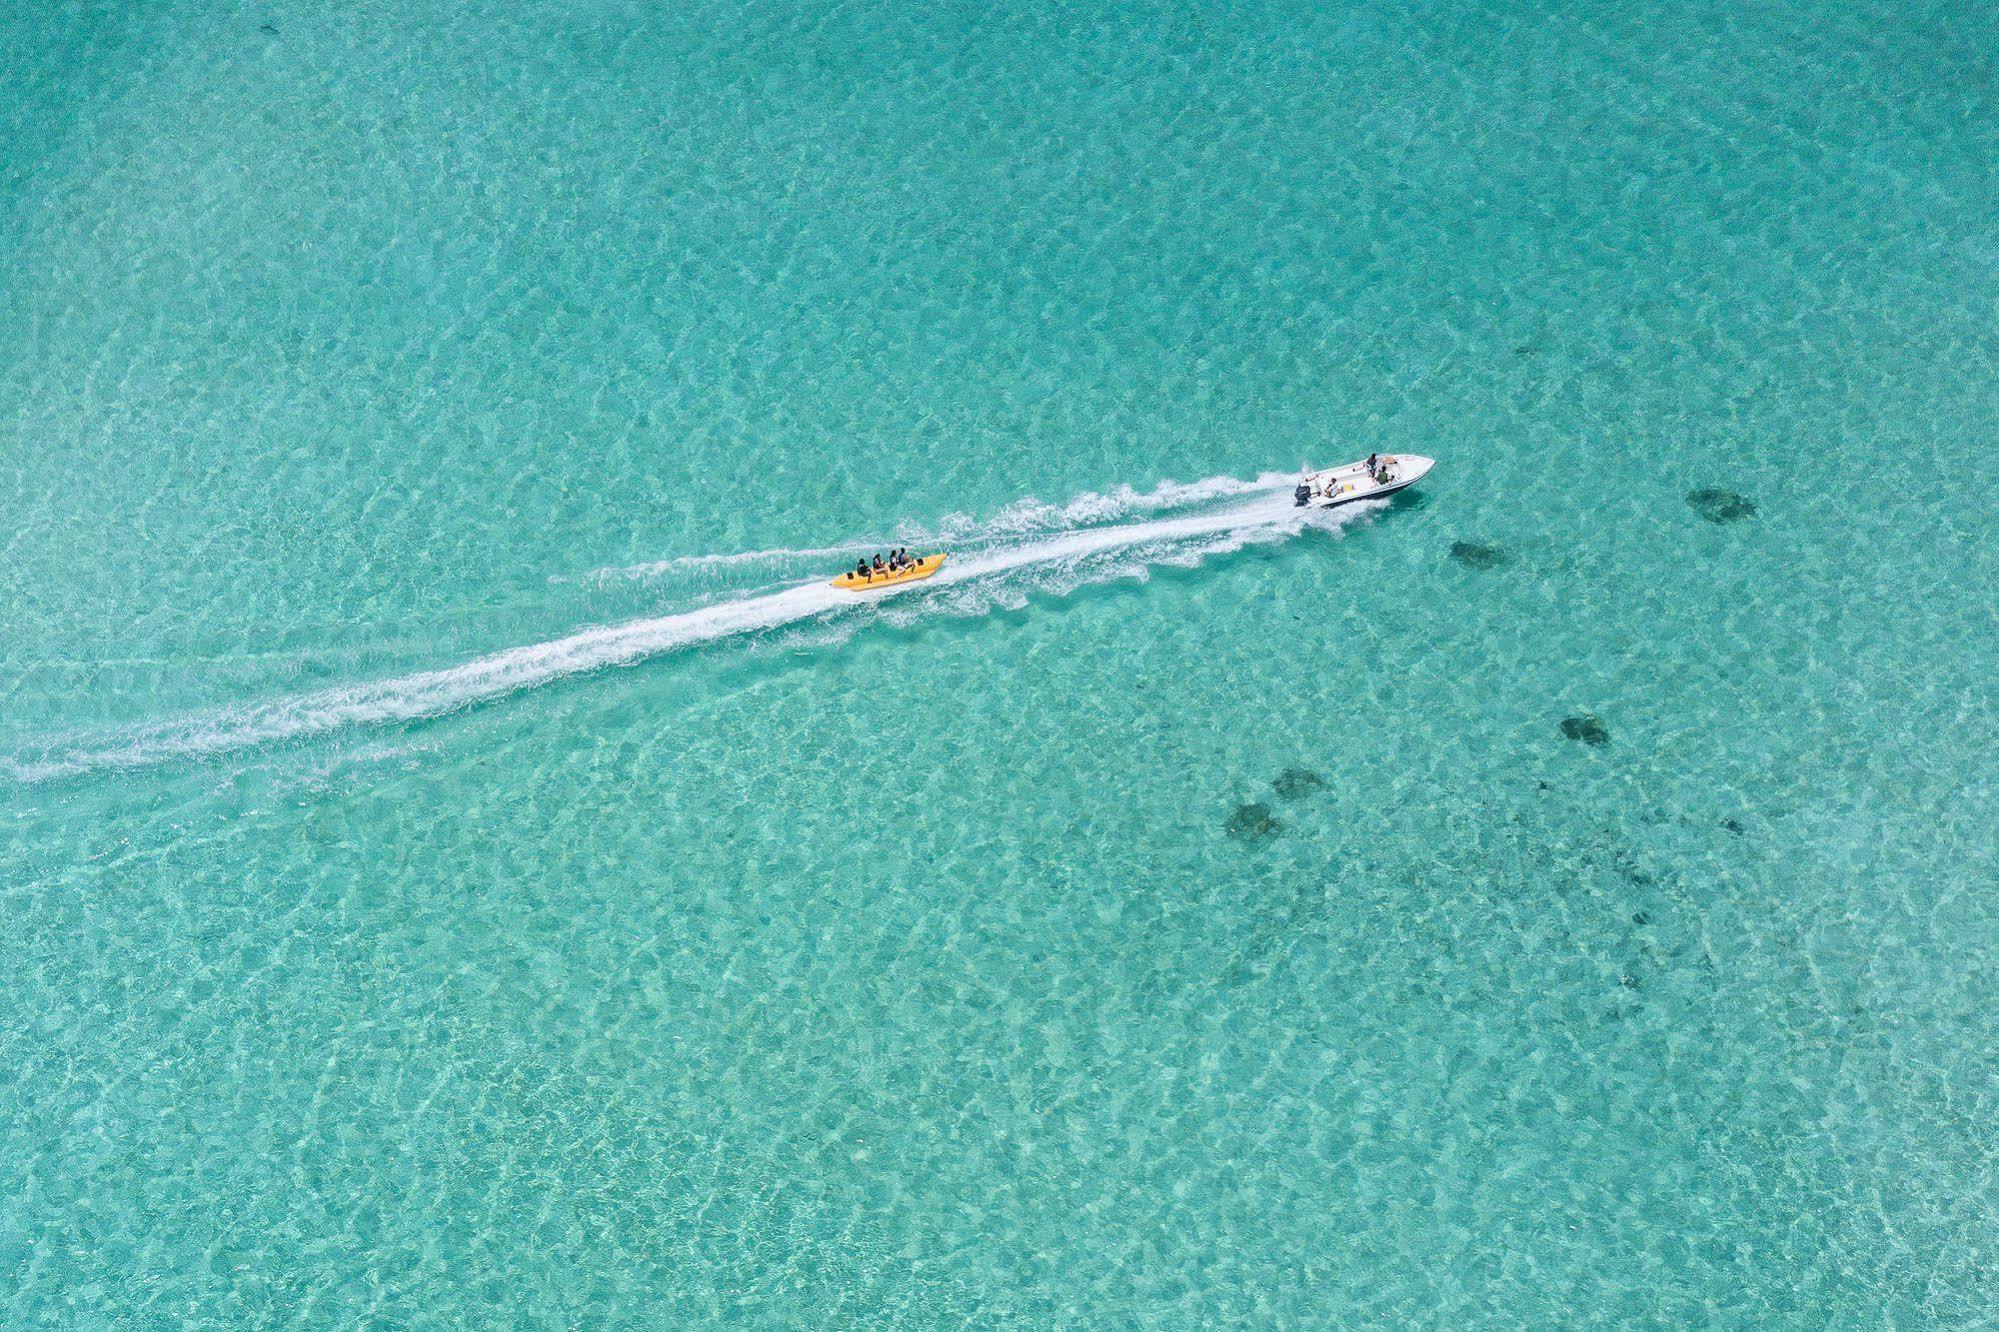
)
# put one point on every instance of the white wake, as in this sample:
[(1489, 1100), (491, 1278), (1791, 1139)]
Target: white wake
[(1062, 547)]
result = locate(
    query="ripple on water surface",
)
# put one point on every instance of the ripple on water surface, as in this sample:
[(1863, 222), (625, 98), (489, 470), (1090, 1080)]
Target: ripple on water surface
[(1283, 939)]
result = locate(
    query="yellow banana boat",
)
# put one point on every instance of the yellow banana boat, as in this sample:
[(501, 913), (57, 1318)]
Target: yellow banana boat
[(908, 573)]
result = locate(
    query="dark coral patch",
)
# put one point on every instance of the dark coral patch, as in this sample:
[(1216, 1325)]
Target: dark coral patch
[(1721, 506), (1253, 822), (1588, 728), (1296, 783), (1478, 555), (1734, 826)]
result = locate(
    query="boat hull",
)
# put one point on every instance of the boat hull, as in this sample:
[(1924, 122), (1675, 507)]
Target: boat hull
[(1376, 493), (1353, 483)]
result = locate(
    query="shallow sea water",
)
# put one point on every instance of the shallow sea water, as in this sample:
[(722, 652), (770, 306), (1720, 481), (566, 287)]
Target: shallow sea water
[(1212, 923)]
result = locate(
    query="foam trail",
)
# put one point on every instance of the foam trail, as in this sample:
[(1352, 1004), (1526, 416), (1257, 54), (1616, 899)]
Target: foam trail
[(1094, 540), (1021, 518), (429, 693), (1029, 516)]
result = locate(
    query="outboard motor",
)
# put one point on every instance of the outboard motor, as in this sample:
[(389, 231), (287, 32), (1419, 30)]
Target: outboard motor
[(1302, 494)]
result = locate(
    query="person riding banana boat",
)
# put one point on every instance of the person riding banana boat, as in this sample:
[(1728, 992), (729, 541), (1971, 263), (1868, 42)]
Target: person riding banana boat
[(898, 566), (881, 568)]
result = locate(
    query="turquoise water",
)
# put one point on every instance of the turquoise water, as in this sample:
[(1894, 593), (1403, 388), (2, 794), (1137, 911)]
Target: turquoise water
[(1231, 930)]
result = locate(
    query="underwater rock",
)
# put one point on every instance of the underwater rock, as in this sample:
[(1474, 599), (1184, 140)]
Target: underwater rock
[(1254, 822), (1478, 555), (1734, 826), (1588, 728), (1641, 918), (1721, 506), (1296, 783)]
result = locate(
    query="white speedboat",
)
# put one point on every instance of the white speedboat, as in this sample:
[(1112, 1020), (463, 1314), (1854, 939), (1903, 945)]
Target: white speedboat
[(1370, 478)]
